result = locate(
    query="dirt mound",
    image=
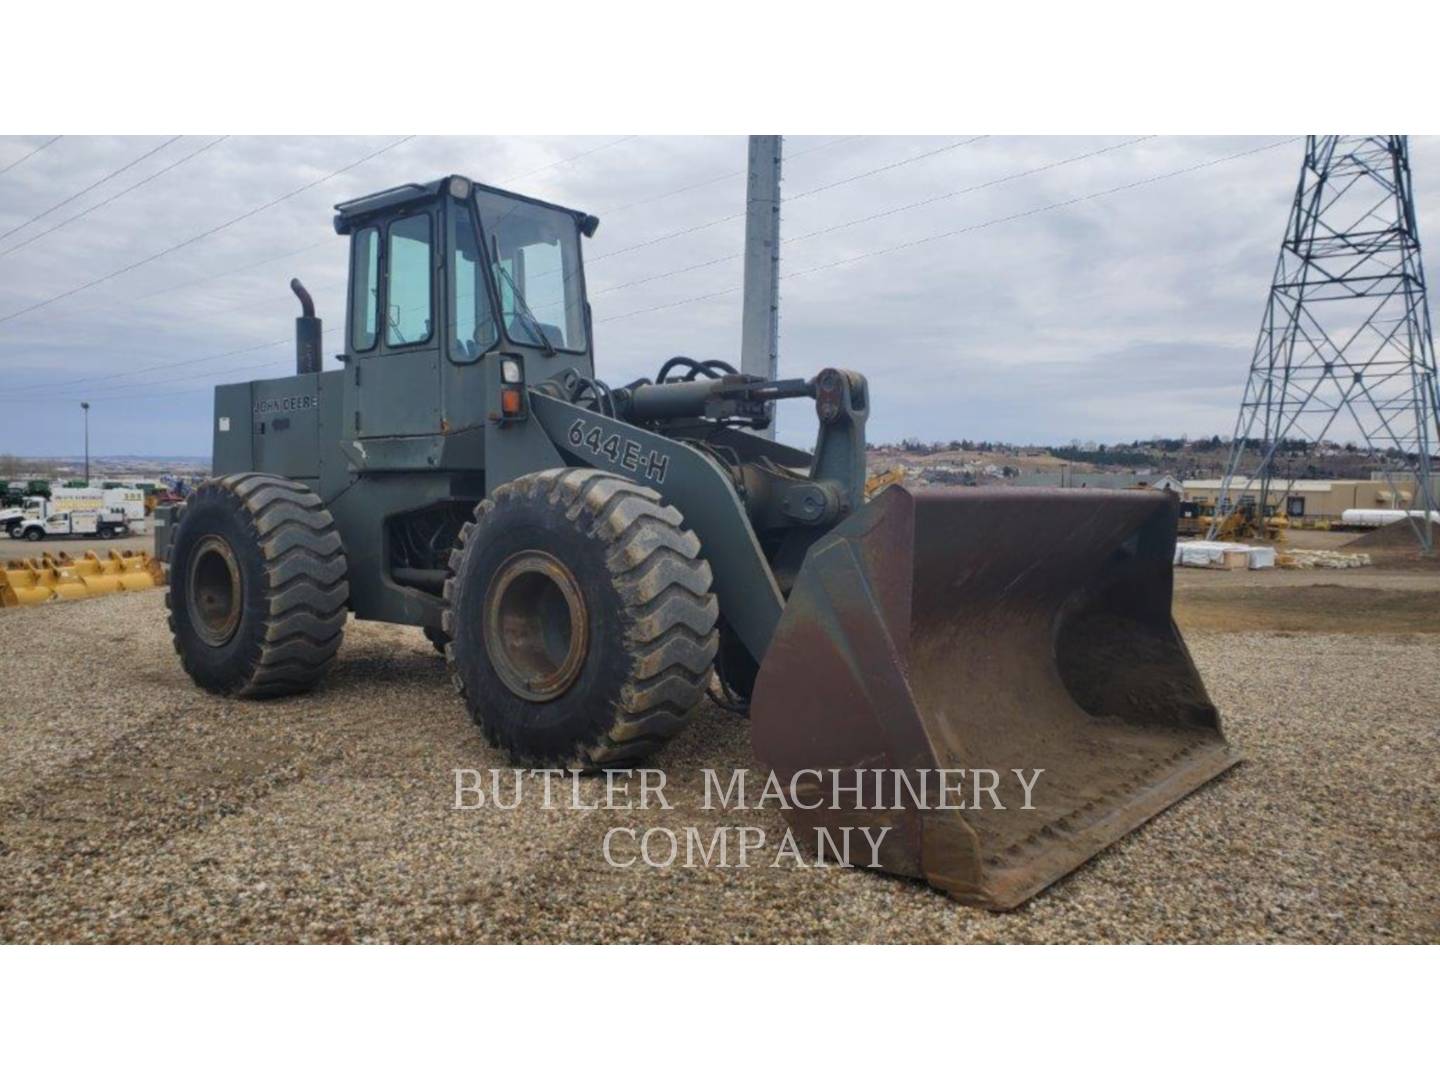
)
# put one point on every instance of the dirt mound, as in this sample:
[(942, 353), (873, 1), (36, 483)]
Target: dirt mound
[(1398, 535)]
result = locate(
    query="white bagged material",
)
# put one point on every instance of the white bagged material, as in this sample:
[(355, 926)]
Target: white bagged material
[(1220, 554)]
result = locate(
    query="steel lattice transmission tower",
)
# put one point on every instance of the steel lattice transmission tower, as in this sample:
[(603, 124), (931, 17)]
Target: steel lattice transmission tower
[(1345, 351)]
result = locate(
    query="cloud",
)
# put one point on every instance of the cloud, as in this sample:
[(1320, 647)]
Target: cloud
[(1113, 318)]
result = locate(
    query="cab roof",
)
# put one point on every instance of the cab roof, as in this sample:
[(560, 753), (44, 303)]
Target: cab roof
[(348, 213)]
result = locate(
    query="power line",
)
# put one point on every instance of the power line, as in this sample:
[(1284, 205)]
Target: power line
[(250, 266), (826, 145), (965, 229), (723, 176), (21, 160), (722, 292), (567, 160), (90, 380), (106, 396), (123, 392), (272, 258), (885, 213), (321, 243), (788, 198), (884, 168), (119, 194), (85, 190), (192, 282), (1024, 173), (1043, 209), (203, 235)]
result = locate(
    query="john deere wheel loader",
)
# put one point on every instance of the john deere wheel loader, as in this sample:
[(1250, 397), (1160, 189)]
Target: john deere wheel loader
[(585, 556)]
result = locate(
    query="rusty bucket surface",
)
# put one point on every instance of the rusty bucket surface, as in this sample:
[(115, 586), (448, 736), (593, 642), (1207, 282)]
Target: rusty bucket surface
[(987, 629)]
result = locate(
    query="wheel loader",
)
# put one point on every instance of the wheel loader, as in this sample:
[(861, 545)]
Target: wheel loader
[(590, 557)]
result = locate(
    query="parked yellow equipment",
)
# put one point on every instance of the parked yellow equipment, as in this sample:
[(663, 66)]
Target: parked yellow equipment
[(880, 481), (61, 577)]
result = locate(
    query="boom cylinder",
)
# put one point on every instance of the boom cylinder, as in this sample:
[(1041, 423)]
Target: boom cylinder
[(730, 395)]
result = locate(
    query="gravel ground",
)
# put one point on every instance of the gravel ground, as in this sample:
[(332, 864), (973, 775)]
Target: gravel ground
[(136, 808)]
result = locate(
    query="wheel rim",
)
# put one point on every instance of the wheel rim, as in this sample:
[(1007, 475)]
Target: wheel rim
[(536, 626), (214, 598)]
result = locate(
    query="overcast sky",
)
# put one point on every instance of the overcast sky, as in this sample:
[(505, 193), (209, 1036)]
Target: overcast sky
[(1112, 318)]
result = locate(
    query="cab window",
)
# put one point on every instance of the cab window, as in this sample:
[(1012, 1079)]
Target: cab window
[(407, 282), (364, 289), (472, 329), (535, 261)]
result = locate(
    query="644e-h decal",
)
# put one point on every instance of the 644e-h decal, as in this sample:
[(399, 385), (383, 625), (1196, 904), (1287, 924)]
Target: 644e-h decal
[(626, 453)]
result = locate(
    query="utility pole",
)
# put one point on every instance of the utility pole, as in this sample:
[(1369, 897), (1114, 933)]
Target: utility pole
[(760, 322), (85, 407)]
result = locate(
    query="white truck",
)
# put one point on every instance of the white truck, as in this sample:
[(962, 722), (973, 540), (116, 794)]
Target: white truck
[(71, 524), (102, 512)]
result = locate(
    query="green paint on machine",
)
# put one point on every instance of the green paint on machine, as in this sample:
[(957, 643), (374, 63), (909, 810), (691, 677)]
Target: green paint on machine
[(588, 558)]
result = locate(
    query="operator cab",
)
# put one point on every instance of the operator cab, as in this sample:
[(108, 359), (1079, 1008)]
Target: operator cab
[(443, 275), (496, 268)]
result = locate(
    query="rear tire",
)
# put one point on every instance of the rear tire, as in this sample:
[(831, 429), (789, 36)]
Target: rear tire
[(437, 638), (257, 592), (601, 621)]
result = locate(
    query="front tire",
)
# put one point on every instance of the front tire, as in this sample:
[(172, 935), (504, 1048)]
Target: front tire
[(581, 621), (257, 593), (34, 534)]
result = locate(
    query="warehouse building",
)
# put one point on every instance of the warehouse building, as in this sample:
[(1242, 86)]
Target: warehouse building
[(1310, 501)]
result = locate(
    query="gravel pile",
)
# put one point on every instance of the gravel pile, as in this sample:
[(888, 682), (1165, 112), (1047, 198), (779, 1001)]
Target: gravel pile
[(136, 808)]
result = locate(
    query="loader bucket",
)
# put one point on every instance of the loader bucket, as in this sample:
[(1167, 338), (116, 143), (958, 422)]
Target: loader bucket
[(19, 584), (99, 577), (135, 571), (62, 578), (981, 629)]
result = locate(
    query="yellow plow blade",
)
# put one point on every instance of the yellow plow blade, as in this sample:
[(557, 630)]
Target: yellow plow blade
[(20, 584), (63, 577)]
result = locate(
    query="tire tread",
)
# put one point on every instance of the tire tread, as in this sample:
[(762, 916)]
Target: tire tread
[(655, 566), (306, 591)]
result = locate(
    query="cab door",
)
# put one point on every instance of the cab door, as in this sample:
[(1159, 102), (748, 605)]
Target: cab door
[(394, 340)]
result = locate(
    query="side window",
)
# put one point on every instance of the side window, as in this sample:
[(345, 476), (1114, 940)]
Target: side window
[(472, 328), (407, 282), (364, 283)]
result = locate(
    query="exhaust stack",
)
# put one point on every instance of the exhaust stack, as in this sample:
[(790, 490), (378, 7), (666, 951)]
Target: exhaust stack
[(308, 332)]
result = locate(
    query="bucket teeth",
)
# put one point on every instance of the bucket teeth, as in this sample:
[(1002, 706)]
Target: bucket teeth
[(48, 577)]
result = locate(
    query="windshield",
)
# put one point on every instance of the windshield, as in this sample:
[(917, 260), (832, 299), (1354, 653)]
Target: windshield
[(535, 260)]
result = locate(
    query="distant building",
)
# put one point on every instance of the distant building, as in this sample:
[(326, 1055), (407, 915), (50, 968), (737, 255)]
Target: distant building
[(1407, 478), (1308, 501), (1067, 477)]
